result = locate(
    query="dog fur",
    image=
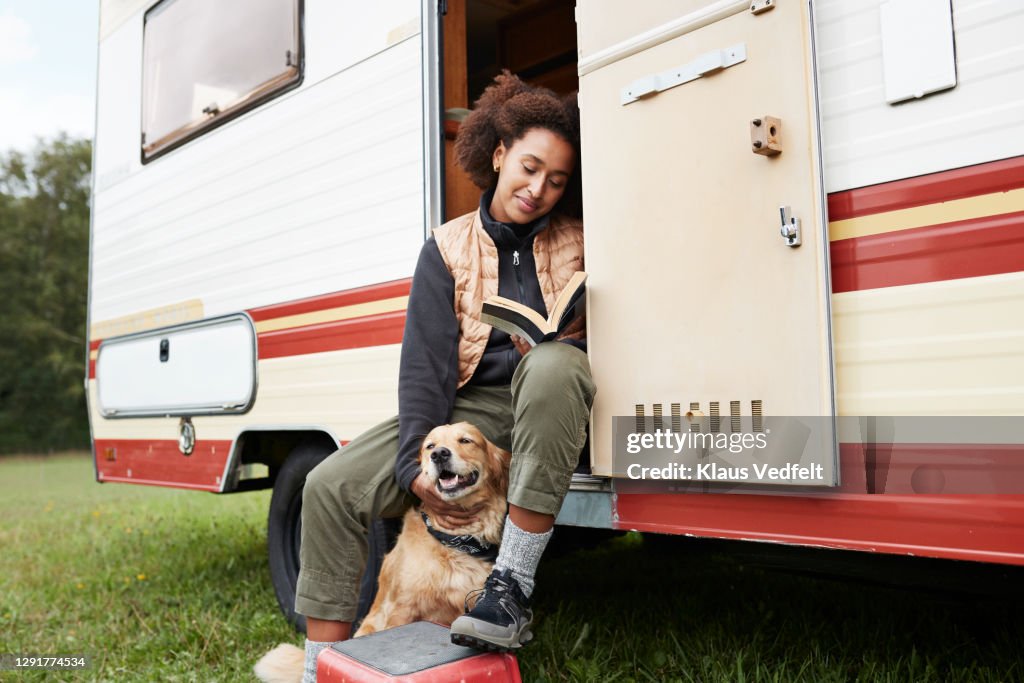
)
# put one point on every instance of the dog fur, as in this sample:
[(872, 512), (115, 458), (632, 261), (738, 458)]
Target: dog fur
[(421, 579)]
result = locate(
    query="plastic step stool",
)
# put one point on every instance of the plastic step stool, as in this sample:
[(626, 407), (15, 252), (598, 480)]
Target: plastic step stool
[(421, 652)]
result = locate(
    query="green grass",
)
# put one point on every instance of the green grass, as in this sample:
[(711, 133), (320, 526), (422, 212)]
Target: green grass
[(622, 612), (153, 584), (165, 585)]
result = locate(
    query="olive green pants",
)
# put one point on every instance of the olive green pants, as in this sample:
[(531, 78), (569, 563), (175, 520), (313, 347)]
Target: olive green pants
[(542, 418)]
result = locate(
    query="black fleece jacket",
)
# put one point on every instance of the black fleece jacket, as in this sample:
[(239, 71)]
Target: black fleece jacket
[(429, 366)]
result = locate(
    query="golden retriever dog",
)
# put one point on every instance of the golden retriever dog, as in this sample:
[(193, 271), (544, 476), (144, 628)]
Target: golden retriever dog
[(431, 568)]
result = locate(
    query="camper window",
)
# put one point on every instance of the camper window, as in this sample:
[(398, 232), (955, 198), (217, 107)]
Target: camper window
[(206, 62)]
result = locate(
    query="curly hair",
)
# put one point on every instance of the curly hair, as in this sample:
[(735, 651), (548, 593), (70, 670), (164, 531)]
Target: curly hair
[(506, 110)]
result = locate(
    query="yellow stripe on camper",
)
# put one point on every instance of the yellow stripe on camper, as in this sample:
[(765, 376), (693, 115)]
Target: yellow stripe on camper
[(330, 315), (189, 311), (929, 214), (163, 316)]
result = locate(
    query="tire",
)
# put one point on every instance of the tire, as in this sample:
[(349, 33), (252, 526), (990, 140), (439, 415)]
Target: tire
[(284, 532)]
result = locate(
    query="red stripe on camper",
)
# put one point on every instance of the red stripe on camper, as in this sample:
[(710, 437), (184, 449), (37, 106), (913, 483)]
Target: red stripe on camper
[(160, 463), (373, 330), (353, 333), (997, 176), (969, 527), (93, 345), (349, 297), (962, 249)]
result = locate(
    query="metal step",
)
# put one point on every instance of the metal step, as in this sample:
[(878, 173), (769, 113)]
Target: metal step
[(589, 482)]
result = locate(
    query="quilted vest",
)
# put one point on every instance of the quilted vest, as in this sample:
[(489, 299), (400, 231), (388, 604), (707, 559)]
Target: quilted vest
[(472, 259)]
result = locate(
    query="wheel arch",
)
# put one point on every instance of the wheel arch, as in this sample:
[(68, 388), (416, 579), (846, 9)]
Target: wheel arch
[(270, 446)]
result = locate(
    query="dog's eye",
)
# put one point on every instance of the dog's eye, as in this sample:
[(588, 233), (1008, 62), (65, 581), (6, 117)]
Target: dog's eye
[(429, 446), (465, 439)]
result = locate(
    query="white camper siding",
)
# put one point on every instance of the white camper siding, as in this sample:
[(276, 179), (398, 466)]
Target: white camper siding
[(340, 34), (317, 191), (341, 392), (347, 392), (866, 141), (119, 107), (953, 347)]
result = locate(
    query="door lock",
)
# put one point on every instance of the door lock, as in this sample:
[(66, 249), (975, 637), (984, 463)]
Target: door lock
[(790, 229)]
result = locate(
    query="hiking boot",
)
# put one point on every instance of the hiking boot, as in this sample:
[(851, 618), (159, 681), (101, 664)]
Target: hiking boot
[(500, 618)]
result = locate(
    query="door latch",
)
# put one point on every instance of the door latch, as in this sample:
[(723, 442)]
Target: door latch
[(766, 136), (790, 229)]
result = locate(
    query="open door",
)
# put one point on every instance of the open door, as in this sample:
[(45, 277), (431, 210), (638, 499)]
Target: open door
[(698, 125)]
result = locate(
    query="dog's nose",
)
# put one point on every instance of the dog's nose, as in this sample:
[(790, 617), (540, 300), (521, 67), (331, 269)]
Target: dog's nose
[(441, 455)]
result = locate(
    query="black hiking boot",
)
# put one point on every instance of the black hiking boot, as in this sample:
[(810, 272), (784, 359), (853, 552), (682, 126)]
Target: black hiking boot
[(499, 620)]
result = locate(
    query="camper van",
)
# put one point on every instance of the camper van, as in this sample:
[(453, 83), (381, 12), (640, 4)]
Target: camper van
[(804, 216)]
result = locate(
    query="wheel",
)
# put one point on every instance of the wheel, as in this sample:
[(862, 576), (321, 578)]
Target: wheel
[(284, 533)]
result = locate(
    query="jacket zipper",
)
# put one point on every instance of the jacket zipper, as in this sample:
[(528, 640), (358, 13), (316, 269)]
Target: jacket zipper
[(519, 276)]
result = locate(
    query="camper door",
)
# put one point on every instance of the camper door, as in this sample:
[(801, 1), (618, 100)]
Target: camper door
[(708, 300)]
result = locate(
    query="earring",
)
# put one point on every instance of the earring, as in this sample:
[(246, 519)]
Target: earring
[(497, 169)]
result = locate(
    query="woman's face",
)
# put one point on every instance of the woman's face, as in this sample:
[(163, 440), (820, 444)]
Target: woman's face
[(533, 175)]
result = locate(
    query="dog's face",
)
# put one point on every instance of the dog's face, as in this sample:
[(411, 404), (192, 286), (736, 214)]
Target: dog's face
[(460, 462)]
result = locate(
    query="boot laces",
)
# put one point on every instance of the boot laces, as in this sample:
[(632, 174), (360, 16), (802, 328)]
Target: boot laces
[(495, 591)]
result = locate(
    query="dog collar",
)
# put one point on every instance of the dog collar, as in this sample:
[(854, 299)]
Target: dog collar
[(465, 543)]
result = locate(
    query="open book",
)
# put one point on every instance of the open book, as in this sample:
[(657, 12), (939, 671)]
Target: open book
[(519, 319)]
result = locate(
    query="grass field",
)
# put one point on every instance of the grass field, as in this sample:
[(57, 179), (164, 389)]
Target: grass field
[(165, 585)]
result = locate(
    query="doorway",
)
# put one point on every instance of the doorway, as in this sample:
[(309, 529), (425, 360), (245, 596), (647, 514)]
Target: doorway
[(534, 39)]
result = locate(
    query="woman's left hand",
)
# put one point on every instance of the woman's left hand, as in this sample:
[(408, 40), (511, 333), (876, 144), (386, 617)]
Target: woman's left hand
[(522, 346)]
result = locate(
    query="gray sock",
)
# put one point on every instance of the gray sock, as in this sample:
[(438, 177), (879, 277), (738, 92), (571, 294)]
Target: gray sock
[(313, 650), (520, 552)]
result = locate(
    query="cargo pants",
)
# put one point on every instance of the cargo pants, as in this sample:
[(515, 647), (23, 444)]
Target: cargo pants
[(541, 418)]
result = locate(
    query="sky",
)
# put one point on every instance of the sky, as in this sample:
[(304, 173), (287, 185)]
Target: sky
[(47, 70)]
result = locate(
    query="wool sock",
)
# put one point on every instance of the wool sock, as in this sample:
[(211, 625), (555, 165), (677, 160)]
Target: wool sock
[(520, 552), (313, 650)]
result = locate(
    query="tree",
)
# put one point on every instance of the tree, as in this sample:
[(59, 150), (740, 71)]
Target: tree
[(44, 256)]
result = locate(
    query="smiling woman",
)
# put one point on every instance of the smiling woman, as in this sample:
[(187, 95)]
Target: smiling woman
[(520, 145), (537, 169)]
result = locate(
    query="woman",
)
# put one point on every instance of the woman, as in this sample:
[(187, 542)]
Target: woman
[(520, 144)]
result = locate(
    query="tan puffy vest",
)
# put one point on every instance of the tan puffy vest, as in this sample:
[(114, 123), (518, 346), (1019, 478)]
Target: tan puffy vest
[(472, 259)]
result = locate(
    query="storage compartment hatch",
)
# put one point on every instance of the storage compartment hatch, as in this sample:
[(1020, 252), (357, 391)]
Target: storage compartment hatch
[(202, 368)]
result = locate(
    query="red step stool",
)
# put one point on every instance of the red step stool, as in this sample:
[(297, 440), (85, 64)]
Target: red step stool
[(421, 652)]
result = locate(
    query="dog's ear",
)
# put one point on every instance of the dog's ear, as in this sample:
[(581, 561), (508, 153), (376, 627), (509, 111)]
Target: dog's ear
[(500, 461)]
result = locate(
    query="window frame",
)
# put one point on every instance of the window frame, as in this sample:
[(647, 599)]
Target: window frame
[(268, 91)]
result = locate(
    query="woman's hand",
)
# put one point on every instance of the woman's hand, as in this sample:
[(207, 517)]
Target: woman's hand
[(576, 326), (448, 514), (522, 346)]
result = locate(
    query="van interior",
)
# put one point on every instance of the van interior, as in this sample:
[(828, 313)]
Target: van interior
[(534, 39)]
